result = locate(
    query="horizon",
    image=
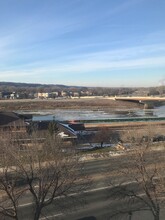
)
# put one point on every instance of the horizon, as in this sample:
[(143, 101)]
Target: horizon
[(50, 84), (97, 43)]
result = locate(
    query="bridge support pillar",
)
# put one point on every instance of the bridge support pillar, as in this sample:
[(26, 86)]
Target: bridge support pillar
[(148, 105)]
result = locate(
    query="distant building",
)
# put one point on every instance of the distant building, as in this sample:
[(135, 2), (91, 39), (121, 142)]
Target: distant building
[(55, 94), (64, 93), (44, 95), (14, 95), (5, 95), (89, 93), (76, 94)]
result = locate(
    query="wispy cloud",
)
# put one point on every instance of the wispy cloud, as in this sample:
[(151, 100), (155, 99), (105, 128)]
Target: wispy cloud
[(125, 5), (84, 67), (124, 53), (75, 37), (155, 36), (90, 66), (14, 74), (146, 56)]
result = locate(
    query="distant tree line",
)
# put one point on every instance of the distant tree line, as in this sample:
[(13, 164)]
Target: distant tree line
[(28, 89), (157, 91)]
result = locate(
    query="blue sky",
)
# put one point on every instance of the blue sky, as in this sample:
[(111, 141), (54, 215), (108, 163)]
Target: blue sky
[(83, 42)]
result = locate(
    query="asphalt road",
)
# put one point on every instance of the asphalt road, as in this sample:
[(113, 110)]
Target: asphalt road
[(92, 204), (96, 205)]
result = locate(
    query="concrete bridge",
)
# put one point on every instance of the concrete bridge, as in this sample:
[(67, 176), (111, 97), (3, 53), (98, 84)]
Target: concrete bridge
[(148, 101)]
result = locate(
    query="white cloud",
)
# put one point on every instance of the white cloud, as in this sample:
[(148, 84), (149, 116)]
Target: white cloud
[(87, 67), (121, 59), (114, 65), (122, 54), (124, 6)]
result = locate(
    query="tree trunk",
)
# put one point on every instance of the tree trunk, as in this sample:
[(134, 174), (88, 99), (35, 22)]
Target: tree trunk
[(156, 217), (37, 213), (157, 214), (130, 215)]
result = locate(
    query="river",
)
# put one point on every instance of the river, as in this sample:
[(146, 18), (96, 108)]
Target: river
[(83, 114)]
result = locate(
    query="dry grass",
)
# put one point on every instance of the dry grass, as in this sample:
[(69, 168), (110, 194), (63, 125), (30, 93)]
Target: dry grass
[(91, 104)]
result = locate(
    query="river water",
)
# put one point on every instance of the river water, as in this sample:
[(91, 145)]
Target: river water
[(82, 114)]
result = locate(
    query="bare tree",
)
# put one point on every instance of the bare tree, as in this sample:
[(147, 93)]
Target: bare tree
[(105, 135), (142, 183), (10, 193), (47, 170)]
